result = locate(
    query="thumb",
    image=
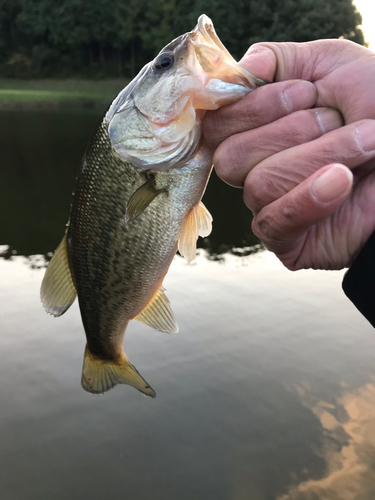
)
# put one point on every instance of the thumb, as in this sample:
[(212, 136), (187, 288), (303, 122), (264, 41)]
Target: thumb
[(260, 60), (281, 61)]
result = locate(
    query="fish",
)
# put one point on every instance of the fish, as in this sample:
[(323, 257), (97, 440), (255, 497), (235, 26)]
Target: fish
[(137, 200)]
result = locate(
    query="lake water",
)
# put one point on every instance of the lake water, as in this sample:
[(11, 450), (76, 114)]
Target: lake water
[(266, 393)]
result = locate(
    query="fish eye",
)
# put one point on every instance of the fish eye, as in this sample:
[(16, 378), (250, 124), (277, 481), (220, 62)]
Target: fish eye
[(164, 61)]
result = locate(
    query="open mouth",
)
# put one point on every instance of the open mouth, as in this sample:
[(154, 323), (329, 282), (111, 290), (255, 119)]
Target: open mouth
[(212, 54), (206, 29)]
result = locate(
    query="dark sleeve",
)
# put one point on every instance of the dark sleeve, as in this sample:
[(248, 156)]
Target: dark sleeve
[(359, 281)]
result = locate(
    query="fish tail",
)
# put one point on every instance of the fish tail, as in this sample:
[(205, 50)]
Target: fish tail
[(99, 376)]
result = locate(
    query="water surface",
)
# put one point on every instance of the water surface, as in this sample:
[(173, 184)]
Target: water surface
[(266, 393)]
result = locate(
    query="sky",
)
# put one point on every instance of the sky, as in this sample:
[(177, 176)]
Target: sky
[(367, 9)]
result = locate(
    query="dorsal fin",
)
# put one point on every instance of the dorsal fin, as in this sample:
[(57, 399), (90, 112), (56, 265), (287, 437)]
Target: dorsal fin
[(197, 222), (141, 199), (58, 291), (158, 314)]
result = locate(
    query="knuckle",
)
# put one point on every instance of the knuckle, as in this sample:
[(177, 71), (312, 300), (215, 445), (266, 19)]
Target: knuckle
[(364, 136), (345, 149), (269, 228), (265, 184), (265, 145), (261, 107), (263, 227), (289, 212), (220, 162), (256, 113), (272, 225), (276, 226), (291, 261), (234, 159), (227, 165), (258, 189), (208, 128), (327, 119), (214, 129), (338, 146), (293, 134), (247, 114)]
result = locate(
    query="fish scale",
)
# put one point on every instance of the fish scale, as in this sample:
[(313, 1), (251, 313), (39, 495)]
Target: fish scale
[(116, 266)]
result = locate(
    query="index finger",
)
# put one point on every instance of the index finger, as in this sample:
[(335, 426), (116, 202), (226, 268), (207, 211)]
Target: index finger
[(262, 106)]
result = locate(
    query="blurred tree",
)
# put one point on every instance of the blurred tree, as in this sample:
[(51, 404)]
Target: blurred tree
[(117, 37), (304, 20), (9, 10)]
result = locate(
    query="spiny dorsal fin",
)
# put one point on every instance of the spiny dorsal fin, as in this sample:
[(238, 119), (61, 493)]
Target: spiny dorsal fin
[(158, 314), (58, 291), (140, 199), (197, 222), (99, 376)]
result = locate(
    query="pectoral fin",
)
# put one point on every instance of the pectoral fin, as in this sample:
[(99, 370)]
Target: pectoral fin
[(204, 220), (58, 291), (158, 314), (140, 200), (198, 222)]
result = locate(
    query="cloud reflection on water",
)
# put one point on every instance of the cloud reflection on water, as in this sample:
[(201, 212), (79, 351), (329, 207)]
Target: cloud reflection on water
[(348, 446)]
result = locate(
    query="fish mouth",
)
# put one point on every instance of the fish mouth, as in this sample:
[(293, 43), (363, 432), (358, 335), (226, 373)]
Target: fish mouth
[(155, 123), (215, 59), (205, 32)]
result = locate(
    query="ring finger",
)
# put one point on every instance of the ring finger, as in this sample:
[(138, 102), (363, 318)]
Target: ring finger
[(352, 145)]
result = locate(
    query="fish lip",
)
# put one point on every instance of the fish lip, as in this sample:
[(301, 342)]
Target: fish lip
[(205, 28), (204, 34)]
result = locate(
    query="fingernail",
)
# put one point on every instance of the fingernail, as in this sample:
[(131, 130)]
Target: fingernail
[(328, 119), (365, 136), (301, 95), (332, 183)]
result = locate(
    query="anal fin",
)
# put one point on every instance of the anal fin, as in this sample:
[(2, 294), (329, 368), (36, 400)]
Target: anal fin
[(158, 314), (99, 376), (198, 222), (58, 291)]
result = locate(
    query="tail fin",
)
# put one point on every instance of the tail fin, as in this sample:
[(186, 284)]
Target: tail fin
[(99, 376)]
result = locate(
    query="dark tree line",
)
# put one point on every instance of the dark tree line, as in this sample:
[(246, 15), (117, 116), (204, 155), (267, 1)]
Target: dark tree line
[(117, 37)]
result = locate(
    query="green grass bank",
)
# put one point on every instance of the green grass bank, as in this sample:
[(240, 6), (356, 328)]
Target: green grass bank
[(31, 94)]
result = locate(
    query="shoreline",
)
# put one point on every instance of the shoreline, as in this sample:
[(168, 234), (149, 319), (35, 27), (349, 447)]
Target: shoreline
[(55, 105), (51, 94)]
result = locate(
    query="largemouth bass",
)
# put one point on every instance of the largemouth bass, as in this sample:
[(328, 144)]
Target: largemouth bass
[(137, 200)]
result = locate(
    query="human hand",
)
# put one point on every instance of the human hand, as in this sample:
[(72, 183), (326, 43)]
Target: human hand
[(303, 149)]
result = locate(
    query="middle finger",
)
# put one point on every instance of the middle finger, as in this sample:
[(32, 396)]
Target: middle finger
[(240, 153)]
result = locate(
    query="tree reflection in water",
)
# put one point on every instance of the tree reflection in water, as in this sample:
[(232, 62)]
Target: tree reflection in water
[(40, 156)]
